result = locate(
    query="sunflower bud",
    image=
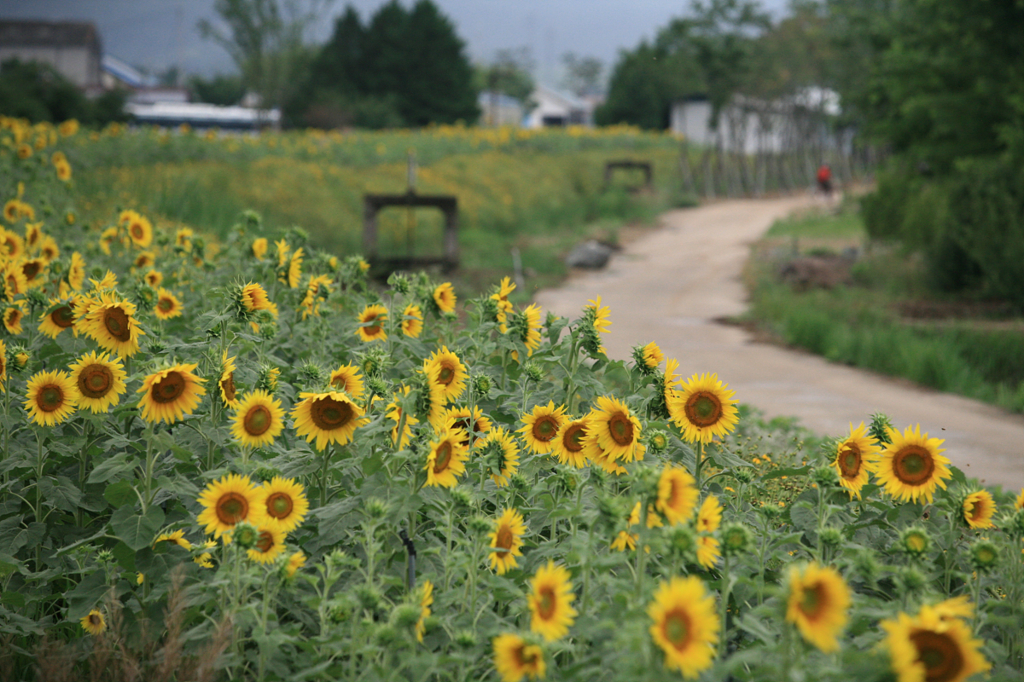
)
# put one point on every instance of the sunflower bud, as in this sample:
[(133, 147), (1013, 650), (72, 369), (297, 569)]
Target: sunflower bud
[(644, 482), (405, 616), (462, 497), (831, 537), (375, 508), (19, 356), (519, 483), (825, 476), (339, 609), (880, 425), (375, 362), (866, 566), (912, 580), (480, 525), (465, 639), (156, 346), (37, 299), (144, 296), (338, 560), (399, 283), (265, 473), (984, 556), (744, 475), (252, 220), (267, 378), (105, 556), (915, 542), (268, 331), (657, 441), (386, 635), (482, 386), (369, 597), (682, 541), (533, 372), (771, 512), (1015, 523), (245, 535), (735, 539), (610, 512), (312, 375)]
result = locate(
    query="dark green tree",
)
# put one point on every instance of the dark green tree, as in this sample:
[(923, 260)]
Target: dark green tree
[(222, 89), (39, 92)]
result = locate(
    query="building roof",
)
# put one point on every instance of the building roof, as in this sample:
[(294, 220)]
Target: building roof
[(41, 33), (126, 73)]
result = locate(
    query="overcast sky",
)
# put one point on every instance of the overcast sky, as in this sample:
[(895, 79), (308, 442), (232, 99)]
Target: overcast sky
[(157, 34)]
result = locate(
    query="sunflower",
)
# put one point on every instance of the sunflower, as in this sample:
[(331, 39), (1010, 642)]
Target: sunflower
[(911, 467), (93, 622), (531, 338), (567, 444), (259, 248), (154, 278), (51, 397), (295, 268), (33, 233), (11, 211), (931, 648), (48, 250), (602, 315), (317, 291), (12, 318), (648, 357), (229, 501), (347, 378), (140, 230), (329, 417), (13, 280), (111, 323), (444, 369), (1018, 504), (481, 425), (412, 321), (709, 518), (394, 413), (500, 444), (226, 383), (515, 658), (502, 306), (107, 237), (978, 509), (506, 540), (107, 282), (63, 169), (144, 259), (100, 381), (855, 457), (371, 323), (613, 432), (446, 460), (269, 544), (426, 599), (685, 625), (170, 394), (282, 250), (295, 562), (58, 317), (76, 271), (551, 614), (3, 366), (204, 558), (258, 420), (34, 270), (708, 551), (167, 305), (677, 494), (253, 298), (444, 297), (703, 408), (818, 603), (175, 538), (285, 503), (540, 427)]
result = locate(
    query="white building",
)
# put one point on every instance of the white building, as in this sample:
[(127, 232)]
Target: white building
[(750, 125), (498, 109), (554, 109), (72, 48)]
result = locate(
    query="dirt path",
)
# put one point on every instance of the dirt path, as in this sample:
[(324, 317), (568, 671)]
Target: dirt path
[(669, 286)]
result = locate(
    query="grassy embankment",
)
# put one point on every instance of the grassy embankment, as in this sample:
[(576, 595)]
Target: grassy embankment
[(539, 192), (886, 320)]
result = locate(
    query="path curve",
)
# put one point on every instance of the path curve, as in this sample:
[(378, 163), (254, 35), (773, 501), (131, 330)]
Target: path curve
[(670, 285)]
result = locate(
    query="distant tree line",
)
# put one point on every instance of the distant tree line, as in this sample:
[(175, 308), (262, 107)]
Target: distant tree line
[(38, 92)]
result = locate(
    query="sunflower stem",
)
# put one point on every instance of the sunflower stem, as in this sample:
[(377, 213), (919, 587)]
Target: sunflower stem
[(724, 606), (323, 474), (148, 473), (697, 466), (641, 553), (83, 461)]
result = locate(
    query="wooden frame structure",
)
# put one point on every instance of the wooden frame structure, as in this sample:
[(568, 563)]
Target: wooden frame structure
[(449, 205)]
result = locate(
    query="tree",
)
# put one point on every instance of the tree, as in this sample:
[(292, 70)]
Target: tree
[(582, 74), (224, 90), (39, 92)]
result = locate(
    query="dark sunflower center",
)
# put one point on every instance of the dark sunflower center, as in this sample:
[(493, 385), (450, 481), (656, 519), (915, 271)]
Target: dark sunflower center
[(340, 382), (137, 231), (504, 539), (165, 304), (95, 619), (913, 465), (545, 428), (257, 421), (446, 375), (116, 322), (232, 508), (95, 381), (329, 414), (621, 429), (939, 654), (279, 505), (168, 389), (812, 601), (12, 284), (63, 316), (265, 542), (51, 398), (703, 409), (372, 329), (849, 462), (31, 269), (676, 628), (13, 316), (227, 384), (573, 438), (546, 603), (442, 457)]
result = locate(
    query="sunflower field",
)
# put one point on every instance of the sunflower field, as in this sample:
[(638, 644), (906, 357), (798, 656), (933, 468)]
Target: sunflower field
[(234, 457)]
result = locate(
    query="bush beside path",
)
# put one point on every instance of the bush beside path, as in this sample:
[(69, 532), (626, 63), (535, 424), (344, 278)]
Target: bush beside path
[(674, 283)]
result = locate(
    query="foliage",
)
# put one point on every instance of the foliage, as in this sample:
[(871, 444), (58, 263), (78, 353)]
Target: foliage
[(39, 92), (405, 64), (106, 569), (509, 74), (583, 75), (225, 90)]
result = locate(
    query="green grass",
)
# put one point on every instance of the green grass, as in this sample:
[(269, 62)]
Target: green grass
[(861, 325)]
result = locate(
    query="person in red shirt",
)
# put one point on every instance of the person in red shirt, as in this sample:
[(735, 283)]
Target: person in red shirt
[(825, 180)]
